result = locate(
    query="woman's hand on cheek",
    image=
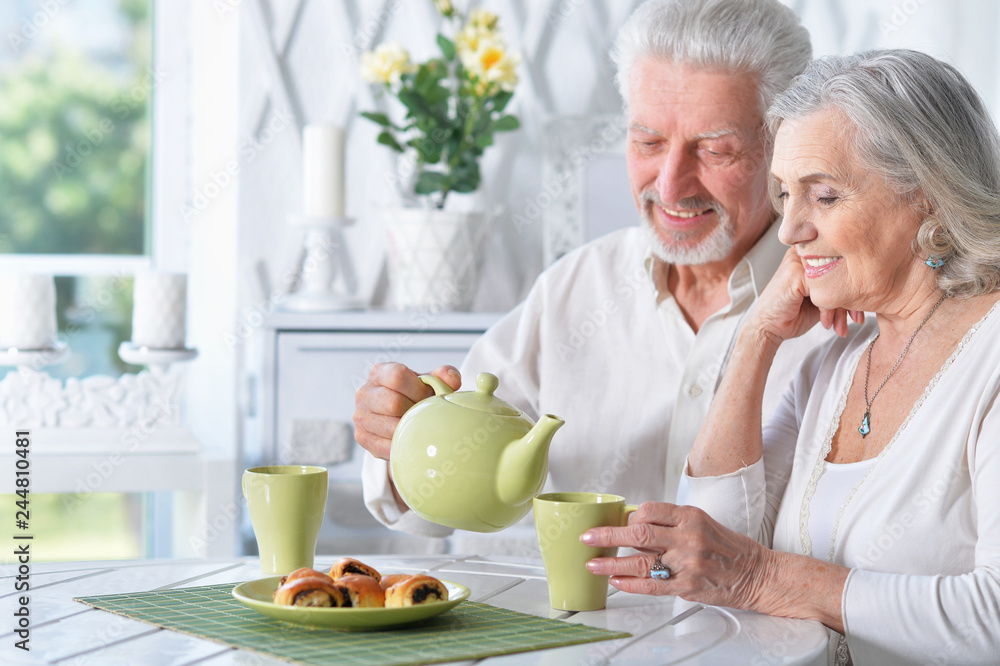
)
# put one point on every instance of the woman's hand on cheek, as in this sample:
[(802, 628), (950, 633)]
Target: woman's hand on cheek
[(708, 563), (784, 310)]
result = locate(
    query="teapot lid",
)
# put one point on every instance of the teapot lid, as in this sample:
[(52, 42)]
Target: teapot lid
[(482, 399)]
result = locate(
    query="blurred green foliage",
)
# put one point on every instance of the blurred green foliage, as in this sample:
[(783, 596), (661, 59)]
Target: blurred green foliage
[(94, 526), (74, 140)]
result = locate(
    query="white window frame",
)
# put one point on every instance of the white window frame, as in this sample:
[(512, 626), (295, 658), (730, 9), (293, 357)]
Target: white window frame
[(128, 459)]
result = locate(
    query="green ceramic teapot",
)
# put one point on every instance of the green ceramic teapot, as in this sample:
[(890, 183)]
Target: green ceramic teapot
[(470, 460)]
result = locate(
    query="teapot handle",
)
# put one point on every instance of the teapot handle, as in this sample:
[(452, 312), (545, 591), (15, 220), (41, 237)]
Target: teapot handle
[(440, 388)]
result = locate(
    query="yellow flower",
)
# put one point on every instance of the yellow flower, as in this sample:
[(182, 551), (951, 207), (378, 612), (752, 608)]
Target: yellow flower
[(444, 6), (492, 64), (483, 19), (386, 64), (467, 40)]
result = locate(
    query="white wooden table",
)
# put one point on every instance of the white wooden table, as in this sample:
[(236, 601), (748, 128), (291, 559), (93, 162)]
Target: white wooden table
[(665, 630)]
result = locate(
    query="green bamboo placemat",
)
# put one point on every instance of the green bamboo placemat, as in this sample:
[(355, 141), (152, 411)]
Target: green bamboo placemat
[(471, 630)]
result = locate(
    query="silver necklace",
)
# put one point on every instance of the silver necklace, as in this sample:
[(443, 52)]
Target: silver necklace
[(866, 421)]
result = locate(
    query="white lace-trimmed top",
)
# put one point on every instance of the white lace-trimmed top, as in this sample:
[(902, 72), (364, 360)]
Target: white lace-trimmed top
[(920, 531), (832, 491)]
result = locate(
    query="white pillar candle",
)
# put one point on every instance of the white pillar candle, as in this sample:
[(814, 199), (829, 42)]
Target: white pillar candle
[(27, 312), (159, 310), (323, 170)]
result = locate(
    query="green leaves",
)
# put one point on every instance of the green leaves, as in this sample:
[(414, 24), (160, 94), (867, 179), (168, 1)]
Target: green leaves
[(451, 118), (379, 118), (387, 139), (447, 47), (506, 124), (429, 182)]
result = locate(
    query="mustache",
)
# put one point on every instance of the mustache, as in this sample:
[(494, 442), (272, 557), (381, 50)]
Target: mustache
[(687, 203)]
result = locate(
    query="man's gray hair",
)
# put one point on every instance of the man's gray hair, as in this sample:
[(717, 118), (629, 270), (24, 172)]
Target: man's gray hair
[(919, 125), (762, 38)]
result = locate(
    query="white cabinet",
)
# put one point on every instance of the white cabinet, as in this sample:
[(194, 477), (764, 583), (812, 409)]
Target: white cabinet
[(310, 367)]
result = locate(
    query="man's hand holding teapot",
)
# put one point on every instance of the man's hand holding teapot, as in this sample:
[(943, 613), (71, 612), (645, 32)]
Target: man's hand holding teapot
[(391, 389)]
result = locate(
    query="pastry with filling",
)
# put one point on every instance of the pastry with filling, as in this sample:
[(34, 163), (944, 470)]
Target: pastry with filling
[(348, 565), (416, 590), (392, 579), (361, 591), (304, 572), (311, 591)]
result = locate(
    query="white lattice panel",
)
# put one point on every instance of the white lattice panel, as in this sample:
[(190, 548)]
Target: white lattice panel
[(299, 65)]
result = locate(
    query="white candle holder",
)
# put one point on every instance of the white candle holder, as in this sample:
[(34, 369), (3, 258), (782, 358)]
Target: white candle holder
[(326, 258), (157, 360), (35, 358)]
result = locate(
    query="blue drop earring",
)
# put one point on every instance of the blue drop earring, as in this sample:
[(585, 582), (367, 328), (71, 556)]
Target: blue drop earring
[(934, 262)]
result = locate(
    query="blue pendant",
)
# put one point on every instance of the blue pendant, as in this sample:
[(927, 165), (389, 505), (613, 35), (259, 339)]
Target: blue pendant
[(865, 427)]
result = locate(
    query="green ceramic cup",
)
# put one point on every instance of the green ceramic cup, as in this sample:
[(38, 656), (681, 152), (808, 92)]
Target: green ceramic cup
[(560, 519), (286, 505)]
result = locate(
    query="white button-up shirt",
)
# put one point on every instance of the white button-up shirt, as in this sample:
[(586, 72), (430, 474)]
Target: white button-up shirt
[(599, 343)]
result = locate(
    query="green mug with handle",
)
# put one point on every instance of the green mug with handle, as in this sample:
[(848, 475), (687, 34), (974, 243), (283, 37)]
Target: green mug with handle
[(286, 505), (560, 519)]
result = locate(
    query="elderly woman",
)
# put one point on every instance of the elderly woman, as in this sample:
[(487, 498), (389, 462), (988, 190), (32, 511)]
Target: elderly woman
[(876, 486)]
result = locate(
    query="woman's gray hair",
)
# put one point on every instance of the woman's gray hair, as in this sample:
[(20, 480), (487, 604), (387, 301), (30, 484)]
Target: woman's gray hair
[(758, 37), (921, 126)]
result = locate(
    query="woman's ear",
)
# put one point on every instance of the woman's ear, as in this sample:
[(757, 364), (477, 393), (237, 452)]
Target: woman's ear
[(923, 204)]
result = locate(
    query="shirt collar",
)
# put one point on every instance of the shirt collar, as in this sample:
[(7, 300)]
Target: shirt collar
[(762, 261), (754, 271)]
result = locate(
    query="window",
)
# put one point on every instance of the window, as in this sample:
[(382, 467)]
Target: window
[(76, 82)]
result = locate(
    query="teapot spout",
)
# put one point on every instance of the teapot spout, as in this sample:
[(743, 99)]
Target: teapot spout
[(524, 464)]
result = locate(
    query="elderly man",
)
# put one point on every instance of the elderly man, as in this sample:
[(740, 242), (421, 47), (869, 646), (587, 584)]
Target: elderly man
[(660, 303)]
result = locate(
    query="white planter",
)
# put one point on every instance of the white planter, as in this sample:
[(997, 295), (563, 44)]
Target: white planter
[(434, 257)]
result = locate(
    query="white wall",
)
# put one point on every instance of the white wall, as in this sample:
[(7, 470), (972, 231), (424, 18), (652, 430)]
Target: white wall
[(212, 229)]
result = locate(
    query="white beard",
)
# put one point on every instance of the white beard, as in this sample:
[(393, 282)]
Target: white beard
[(715, 247)]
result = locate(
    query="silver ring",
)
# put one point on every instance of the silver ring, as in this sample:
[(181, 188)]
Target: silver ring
[(659, 570)]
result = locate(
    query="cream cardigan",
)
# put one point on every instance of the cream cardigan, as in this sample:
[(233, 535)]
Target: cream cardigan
[(921, 532)]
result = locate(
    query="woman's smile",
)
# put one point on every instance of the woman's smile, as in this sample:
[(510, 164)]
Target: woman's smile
[(818, 266)]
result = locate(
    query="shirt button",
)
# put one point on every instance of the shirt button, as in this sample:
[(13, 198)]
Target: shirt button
[(695, 390)]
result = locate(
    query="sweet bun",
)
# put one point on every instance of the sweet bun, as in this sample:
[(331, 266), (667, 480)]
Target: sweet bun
[(347, 565), (415, 590), (392, 579), (315, 591), (304, 572), (361, 591)]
